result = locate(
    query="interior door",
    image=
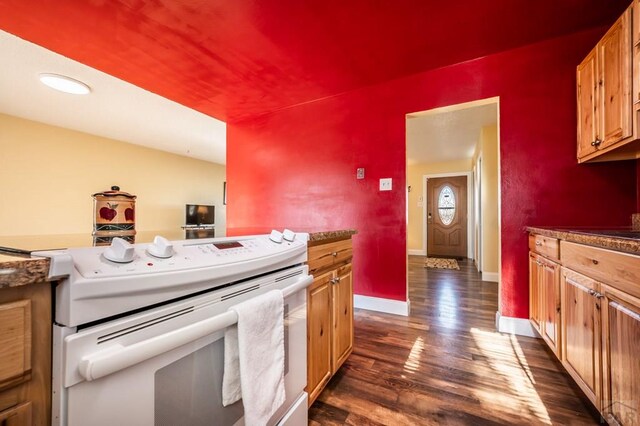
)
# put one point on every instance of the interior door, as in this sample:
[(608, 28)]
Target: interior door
[(447, 216)]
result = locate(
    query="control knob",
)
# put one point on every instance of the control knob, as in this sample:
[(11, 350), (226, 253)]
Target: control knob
[(161, 247), (120, 251)]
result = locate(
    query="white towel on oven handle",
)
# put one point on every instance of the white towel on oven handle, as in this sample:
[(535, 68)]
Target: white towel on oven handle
[(254, 358)]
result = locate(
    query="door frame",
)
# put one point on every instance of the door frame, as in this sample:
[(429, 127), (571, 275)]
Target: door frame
[(470, 208)]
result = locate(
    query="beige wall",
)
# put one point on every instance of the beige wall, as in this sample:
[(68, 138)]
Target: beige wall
[(47, 176), (415, 179), (488, 148)]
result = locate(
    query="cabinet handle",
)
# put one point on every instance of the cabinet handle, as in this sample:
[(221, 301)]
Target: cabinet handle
[(538, 263), (335, 280), (334, 254), (592, 292), (538, 243), (596, 143)]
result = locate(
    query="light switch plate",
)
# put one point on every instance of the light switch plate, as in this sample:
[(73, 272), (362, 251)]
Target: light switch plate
[(360, 173), (385, 184)]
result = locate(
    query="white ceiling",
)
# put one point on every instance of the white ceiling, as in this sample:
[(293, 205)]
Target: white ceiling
[(450, 135), (114, 109)]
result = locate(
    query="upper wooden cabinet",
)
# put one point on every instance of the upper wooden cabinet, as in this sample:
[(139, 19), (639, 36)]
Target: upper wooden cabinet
[(604, 94)]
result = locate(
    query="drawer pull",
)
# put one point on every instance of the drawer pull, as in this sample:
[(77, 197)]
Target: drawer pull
[(538, 243), (334, 254), (334, 280)]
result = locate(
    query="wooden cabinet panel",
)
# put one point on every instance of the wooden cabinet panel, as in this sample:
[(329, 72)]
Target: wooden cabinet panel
[(535, 295), (614, 60), (15, 342), (548, 247), (551, 313), (319, 335), (608, 266), (329, 255), (621, 348), (342, 316), (580, 332), (17, 416), (587, 82)]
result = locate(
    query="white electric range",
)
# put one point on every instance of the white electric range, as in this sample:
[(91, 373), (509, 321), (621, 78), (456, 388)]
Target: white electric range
[(139, 328)]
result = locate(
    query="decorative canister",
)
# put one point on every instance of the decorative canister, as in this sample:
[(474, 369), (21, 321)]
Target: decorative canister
[(114, 213)]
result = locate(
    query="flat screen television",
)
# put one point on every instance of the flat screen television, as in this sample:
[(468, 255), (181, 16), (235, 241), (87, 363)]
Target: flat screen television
[(198, 214)]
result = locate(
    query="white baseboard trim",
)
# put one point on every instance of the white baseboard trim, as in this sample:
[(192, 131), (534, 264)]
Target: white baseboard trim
[(412, 252), (494, 277), (511, 325), (378, 304)]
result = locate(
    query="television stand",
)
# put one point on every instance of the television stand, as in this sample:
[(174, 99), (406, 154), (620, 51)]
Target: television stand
[(199, 231)]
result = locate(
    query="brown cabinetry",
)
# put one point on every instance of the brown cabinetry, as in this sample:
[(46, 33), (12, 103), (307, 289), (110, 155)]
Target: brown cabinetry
[(544, 299), (598, 340), (329, 312), (621, 363), (25, 355), (581, 332), (604, 97)]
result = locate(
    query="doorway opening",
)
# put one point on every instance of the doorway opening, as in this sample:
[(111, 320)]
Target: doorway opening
[(453, 178)]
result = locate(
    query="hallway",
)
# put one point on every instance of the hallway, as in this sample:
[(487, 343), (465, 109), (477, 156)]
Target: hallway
[(445, 364)]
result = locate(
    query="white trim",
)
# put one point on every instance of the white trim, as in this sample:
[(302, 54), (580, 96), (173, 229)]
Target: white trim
[(470, 210), (456, 107), (378, 304), (493, 277), (519, 326), (412, 252)]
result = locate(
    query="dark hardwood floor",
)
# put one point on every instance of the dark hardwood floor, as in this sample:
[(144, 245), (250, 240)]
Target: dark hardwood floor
[(446, 364)]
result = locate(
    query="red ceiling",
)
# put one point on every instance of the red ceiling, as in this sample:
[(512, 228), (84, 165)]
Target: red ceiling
[(235, 58)]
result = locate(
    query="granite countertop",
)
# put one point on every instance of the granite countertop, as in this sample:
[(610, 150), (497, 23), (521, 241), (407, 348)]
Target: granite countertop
[(20, 270), (619, 239), (331, 235)]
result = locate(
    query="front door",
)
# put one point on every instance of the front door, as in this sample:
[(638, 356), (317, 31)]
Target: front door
[(447, 216)]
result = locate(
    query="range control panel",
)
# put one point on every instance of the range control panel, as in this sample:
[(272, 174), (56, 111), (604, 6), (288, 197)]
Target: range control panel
[(125, 259)]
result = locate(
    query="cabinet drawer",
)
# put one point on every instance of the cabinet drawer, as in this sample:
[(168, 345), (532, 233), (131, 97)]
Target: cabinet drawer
[(17, 416), (545, 246), (330, 254), (15, 342), (620, 270)]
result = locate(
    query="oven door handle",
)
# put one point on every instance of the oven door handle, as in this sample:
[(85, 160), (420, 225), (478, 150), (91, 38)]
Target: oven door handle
[(119, 357)]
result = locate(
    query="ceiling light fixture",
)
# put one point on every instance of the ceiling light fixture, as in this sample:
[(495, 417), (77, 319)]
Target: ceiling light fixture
[(65, 84)]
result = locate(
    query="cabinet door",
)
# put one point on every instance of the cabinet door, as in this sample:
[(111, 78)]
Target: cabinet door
[(342, 316), (614, 58), (580, 332), (15, 342), (587, 80), (534, 292), (318, 335), (549, 280), (621, 357)]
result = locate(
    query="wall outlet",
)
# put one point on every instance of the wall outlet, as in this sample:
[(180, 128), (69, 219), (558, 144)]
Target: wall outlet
[(385, 184), (360, 173)]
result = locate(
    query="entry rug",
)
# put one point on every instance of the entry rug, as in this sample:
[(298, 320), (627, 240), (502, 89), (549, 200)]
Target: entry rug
[(437, 263)]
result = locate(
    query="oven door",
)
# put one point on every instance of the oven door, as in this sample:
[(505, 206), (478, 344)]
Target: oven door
[(154, 369)]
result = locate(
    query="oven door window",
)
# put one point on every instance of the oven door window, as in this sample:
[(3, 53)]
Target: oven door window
[(189, 391)]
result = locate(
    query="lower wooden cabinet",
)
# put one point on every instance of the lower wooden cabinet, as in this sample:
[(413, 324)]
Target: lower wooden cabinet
[(544, 300), (581, 332), (329, 313), (598, 337), (621, 363), (25, 355)]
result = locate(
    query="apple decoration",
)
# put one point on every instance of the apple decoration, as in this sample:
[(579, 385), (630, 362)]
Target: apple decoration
[(129, 214), (109, 212)]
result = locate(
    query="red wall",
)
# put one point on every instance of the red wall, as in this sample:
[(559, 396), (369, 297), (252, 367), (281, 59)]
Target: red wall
[(296, 167)]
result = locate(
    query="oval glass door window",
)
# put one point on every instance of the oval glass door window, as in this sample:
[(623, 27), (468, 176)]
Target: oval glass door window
[(446, 205)]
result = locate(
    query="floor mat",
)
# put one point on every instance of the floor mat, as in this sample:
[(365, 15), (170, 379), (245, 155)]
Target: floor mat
[(437, 263)]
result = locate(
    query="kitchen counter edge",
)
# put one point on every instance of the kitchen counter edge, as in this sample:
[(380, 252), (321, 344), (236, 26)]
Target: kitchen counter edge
[(625, 245), (17, 270)]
